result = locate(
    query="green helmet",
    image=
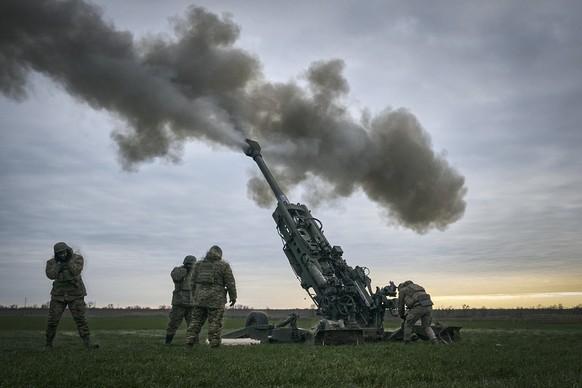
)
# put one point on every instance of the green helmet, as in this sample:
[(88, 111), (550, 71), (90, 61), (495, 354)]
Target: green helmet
[(215, 251), (189, 260), (61, 246), (404, 284)]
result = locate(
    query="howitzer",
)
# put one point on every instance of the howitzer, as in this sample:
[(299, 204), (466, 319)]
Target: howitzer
[(340, 292), (351, 311)]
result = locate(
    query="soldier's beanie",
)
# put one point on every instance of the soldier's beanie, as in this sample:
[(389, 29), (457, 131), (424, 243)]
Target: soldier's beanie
[(61, 246), (189, 259)]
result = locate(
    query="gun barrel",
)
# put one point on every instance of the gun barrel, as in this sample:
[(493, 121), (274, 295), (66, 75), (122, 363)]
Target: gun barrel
[(254, 151)]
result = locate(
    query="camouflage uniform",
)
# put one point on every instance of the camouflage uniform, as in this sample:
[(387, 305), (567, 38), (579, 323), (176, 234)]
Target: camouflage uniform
[(68, 290), (212, 278), (415, 298), (181, 297)]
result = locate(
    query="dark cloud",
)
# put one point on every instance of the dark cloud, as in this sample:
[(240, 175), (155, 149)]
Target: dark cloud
[(198, 85), (167, 92)]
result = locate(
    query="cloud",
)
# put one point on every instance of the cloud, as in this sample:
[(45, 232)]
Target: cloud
[(200, 86), (496, 85)]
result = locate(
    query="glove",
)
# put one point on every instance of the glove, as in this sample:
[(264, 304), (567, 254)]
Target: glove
[(402, 316), (232, 302)]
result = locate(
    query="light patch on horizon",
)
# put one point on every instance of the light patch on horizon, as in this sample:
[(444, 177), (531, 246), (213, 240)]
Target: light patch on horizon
[(523, 300)]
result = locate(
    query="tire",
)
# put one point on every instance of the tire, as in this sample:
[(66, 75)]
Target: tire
[(257, 318)]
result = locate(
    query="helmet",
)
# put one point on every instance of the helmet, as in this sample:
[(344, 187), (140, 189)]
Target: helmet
[(215, 251), (61, 246), (406, 283), (189, 259)]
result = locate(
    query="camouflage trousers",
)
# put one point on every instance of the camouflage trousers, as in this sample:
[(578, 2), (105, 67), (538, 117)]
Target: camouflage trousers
[(177, 314), (56, 309), (199, 316), (413, 315)]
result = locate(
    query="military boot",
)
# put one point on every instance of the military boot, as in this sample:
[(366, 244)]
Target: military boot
[(434, 341), (192, 343), (48, 344), (407, 342), (169, 338), (88, 344)]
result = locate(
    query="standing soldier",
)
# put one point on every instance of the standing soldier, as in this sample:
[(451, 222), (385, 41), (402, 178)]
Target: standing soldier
[(68, 290), (415, 298), (181, 297), (212, 278)]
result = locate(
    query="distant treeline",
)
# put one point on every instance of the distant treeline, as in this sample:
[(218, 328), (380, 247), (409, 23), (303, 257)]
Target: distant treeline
[(540, 313)]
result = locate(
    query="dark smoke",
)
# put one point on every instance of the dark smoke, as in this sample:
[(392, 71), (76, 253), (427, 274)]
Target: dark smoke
[(199, 86)]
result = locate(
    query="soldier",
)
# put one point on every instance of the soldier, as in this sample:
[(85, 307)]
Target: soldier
[(419, 305), (68, 290), (181, 297), (212, 278)]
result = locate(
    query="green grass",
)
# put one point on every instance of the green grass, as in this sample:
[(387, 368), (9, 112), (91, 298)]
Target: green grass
[(132, 354)]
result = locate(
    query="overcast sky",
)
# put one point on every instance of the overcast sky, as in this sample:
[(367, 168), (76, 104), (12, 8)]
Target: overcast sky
[(120, 133)]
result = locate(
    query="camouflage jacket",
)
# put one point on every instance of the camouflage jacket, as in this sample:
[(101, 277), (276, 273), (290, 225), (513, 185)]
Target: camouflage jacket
[(182, 295), (68, 284), (409, 296), (212, 278)]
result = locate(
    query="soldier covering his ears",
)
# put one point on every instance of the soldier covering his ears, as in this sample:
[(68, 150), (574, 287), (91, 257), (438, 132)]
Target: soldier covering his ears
[(181, 297), (68, 290)]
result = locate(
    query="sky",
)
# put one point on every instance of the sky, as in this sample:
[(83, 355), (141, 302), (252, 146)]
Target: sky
[(436, 141)]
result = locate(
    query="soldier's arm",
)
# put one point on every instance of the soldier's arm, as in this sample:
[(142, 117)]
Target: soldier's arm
[(194, 277), (178, 274), (76, 265), (230, 283), (401, 303), (52, 269)]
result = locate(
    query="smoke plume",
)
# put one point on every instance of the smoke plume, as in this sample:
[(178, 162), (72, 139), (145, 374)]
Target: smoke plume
[(198, 85)]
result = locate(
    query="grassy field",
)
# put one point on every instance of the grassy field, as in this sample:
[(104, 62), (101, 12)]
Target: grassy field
[(132, 354)]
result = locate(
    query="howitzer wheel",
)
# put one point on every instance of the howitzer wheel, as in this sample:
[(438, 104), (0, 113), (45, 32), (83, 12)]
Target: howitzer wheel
[(256, 318), (346, 304)]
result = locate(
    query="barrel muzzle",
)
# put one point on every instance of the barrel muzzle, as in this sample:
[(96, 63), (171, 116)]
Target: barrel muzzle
[(253, 150)]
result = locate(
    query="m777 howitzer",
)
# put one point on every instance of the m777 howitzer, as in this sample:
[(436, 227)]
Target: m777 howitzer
[(351, 311)]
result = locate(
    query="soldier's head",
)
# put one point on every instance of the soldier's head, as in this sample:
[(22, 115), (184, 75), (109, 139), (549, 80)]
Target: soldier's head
[(404, 284), (62, 251), (189, 261), (215, 251)]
